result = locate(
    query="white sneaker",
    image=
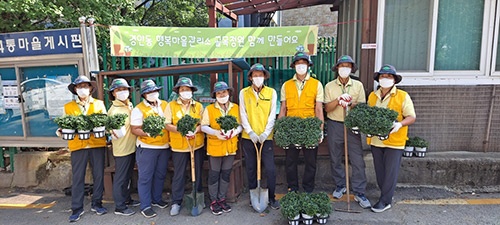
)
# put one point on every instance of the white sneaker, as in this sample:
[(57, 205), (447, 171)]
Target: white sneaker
[(174, 211), (339, 192)]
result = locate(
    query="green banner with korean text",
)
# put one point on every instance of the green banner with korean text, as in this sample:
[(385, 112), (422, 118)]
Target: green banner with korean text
[(212, 42)]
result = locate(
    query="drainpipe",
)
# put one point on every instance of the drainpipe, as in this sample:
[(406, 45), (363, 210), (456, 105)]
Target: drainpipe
[(488, 126)]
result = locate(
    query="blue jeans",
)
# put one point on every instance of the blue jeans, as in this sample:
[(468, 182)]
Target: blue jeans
[(152, 165)]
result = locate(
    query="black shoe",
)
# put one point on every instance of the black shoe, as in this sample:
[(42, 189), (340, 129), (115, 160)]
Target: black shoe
[(380, 207), (215, 208), (160, 204), (274, 204), (75, 216), (225, 207), (124, 212), (133, 203), (148, 212)]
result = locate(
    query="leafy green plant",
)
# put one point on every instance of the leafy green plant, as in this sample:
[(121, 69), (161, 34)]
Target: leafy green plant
[(116, 121), (286, 131), (98, 119), (227, 122), (66, 122), (83, 123), (410, 142), (312, 131), (420, 142), (309, 207), (154, 125), (374, 121), (290, 205), (186, 124), (322, 200)]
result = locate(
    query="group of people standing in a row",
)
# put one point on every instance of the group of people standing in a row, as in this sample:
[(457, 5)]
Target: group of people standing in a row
[(302, 96)]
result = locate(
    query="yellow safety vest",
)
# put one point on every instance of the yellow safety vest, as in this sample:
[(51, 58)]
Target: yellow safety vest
[(258, 110), (304, 105), (177, 141), (71, 108), (146, 112), (215, 146)]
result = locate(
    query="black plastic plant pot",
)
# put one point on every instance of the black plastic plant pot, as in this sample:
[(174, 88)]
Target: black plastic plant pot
[(68, 134), (84, 135), (383, 137), (407, 153)]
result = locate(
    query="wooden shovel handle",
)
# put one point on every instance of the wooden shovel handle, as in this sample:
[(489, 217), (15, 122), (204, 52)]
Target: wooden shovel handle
[(191, 153), (258, 152)]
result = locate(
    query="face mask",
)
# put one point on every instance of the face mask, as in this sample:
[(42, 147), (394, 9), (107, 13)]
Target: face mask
[(386, 82), (344, 72), (223, 100), (258, 81), (152, 97), (186, 95), (83, 92), (301, 69), (122, 95)]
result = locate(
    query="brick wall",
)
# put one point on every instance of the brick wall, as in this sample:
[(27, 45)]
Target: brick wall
[(313, 15)]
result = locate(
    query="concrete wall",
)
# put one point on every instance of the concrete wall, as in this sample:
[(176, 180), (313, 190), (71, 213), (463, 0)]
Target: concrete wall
[(315, 15)]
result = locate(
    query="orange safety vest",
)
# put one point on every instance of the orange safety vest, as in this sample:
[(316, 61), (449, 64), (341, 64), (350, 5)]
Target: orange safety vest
[(303, 106), (257, 110), (146, 112), (71, 108), (177, 141), (215, 146)]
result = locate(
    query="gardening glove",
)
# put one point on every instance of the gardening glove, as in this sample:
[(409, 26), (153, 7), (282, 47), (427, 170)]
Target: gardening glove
[(322, 137), (396, 126), (346, 97), (262, 138), (58, 132), (232, 133), (220, 135), (253, 137), (343, 103), (190, 134)]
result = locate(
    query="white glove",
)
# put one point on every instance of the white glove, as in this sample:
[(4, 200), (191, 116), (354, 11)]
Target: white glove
[(262, 138), (220, 135), (343, 103), (231, 133), (396, 126), (346, 97), (322, 137), (253, 137), (58, 132), (190, 134)]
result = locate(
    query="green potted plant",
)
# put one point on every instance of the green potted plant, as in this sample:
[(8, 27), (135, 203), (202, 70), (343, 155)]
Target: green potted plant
[(187, 124), (290, 207), (227, 123), (373, 121), (409, 147), (322, 201), (420, 146), (99, 121), (297, 136), (83, 125), (282, 135), (154, 125), (312, 132), (67, 125), (308, 208), (116, 125)]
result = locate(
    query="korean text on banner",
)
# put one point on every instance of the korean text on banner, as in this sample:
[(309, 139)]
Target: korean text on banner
[(212, 42)]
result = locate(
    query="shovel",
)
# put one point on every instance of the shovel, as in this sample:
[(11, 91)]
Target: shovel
[(346, 154), (259, 197), (194, 201)]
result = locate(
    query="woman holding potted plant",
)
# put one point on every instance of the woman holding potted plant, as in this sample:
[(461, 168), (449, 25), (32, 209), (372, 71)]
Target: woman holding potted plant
[(152, 153), (220, 121), (387, 153), (83, 151), (123, 148), (184, 105)]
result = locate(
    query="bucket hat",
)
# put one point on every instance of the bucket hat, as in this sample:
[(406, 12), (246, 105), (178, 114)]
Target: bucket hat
[(221, 86), (258, 67), (184, 82), (118, 83), (82, 79), (388, 69), (149, 86), (346, 59), (301, 55)]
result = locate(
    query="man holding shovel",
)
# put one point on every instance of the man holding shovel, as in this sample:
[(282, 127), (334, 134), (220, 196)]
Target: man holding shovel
[(258, 113), (341, 94)]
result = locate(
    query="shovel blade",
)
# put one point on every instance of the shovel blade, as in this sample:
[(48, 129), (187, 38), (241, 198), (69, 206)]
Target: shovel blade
[(195, 202), (259, 198)]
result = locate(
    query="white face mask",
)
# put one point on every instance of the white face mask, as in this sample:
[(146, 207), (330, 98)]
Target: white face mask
[(83, 92), (301, 69), (258, 81), (122, 95), (223, 100), (344, 71), (186, 95), (152, 97), (386, 82)]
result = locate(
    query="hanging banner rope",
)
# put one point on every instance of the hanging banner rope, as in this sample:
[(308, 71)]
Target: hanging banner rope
[(212, 42)]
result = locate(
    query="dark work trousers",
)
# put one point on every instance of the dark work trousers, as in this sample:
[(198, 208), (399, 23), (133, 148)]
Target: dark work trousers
[(152, 165), (181, 160), (267, 163), (218, 176), (124, 167), (387, 162), (291, 161), (355, 153), (79, 159)]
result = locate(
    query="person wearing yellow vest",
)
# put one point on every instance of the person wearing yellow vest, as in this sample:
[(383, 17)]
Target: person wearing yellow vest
[(83, 151), (301, 96), (387, 154), (258, 113), (340, 95), (123, 148), (152, 153), (221, 146), (184, 105)]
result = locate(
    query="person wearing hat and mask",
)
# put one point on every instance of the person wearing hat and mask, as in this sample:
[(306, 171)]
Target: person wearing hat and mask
[(221, 146), (341, 94), (258, 114), (83, 151), (184, 105), (123, 148), (152, 153), (301, 96), (387, 154)]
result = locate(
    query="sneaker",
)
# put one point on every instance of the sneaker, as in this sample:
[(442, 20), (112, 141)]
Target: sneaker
[(339, 192), (99, 210), (216, 208), (76, 215), (225, 207), (133, 203), (174, 211), (160, 204), (148, 212), (380, 207), (274, 204), (362, 201), (124, 212)]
